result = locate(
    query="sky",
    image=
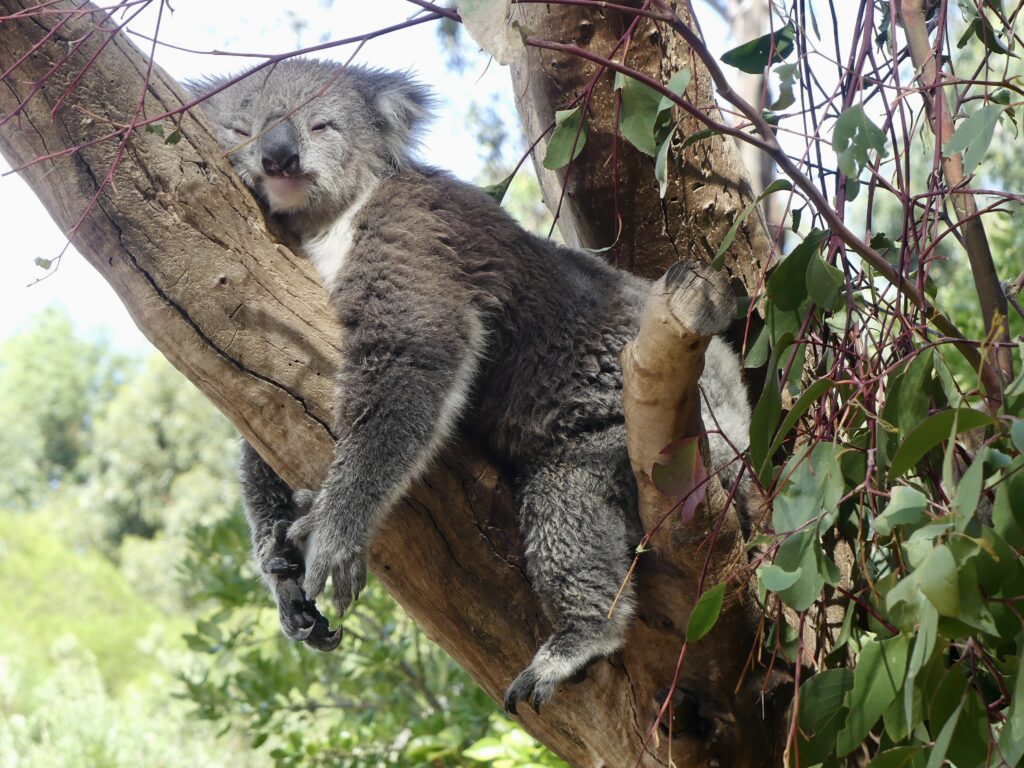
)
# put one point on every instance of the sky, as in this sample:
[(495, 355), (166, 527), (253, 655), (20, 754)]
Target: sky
[(230, 25)]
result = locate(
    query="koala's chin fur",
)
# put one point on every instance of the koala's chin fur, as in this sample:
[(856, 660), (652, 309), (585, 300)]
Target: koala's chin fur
[(454, 317)]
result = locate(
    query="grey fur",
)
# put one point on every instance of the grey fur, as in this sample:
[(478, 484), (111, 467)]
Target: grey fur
[(453, 316)]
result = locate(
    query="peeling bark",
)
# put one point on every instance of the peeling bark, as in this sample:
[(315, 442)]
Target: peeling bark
[(182, 242)]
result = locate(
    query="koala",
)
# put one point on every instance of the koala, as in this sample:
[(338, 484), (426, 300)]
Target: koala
[(453, 318)]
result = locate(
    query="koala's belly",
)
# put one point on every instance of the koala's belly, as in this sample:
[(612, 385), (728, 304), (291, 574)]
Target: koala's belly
[(548, 387)]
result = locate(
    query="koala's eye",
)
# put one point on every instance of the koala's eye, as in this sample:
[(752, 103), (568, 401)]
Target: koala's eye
[(240, 131), (320, 127)]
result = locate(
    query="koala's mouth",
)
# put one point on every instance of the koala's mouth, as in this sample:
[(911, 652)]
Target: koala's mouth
[(287, 193)]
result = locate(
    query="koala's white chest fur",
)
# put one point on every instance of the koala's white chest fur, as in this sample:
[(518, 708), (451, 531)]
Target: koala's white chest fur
[(329, 249)]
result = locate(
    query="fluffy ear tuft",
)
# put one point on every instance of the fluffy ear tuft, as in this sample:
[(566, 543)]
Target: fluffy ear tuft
[(203, 85), (404, 106)]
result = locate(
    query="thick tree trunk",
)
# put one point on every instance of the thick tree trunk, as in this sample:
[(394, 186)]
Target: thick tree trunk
[(708, 184), (184, 245)]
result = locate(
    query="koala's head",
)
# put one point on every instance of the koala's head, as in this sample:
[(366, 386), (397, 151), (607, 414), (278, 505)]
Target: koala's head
[(307, 136)]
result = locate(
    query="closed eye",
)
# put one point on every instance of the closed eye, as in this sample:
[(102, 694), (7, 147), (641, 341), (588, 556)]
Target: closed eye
[(240, 131), (320, 127)]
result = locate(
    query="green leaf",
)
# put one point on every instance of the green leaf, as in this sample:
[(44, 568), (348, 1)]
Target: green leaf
[(877, 678), (924, 645), (787, 285), (807, 398), (39, 261), (931, 432), (498, 190), (1008, 510), (853, 137), (705, 613), (937, 756), (908, 401), (155, 128), (693, 138), (174, 137), (775, 579), (486, 750), (799, 554), (1017, 434), (1012, 738), (767, 411), (775, 186), (822, 696), (906, 507), (937, 580), (824, 282), (968, 491), (677, 84), (788, 74), (900, 757), (753, 56), (973, 136), (813, 488), (638, 113), (567, 140), (661, 164)]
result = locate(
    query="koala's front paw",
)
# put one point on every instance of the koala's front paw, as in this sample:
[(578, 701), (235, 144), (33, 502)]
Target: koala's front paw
[(327, 555), (300, 620)]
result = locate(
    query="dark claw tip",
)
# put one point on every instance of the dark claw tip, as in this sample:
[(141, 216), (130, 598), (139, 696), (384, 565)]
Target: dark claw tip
[(327, 641), (510, 704), (279, 566)]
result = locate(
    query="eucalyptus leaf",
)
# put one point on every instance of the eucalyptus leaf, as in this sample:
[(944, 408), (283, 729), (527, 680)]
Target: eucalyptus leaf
[(705, 613), (853, 138), (877, 678), (973, 136), (906, 507), (775, 579), (753, 56), (568, 138), (931, 432)]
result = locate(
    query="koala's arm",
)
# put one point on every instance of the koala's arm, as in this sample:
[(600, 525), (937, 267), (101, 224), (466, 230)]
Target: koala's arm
[(410, 354)]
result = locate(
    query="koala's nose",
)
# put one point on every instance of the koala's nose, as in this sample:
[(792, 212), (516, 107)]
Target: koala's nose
[(279, 150)]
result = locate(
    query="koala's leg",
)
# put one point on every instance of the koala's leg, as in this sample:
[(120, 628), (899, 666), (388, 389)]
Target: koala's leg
[(270, 507), (579, 520)]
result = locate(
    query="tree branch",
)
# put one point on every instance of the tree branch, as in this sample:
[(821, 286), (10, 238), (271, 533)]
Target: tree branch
[(994, 307)]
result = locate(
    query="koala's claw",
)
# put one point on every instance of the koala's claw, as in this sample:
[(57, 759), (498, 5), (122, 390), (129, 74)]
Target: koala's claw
[(531, 688), (301, 620)]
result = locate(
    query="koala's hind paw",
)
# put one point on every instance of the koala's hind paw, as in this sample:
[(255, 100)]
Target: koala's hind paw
[(300, 619)]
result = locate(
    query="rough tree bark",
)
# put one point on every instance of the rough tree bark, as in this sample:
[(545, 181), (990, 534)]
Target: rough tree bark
[(708, 184), (184, 245)]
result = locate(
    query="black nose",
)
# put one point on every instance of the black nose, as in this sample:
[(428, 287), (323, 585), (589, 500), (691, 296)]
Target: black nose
[(279, 150)]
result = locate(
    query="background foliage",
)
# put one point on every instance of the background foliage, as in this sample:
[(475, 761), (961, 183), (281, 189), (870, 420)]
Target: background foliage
[(135, 629)]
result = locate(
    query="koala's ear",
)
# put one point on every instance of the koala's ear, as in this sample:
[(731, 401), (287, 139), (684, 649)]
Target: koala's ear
[(404, 106)]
